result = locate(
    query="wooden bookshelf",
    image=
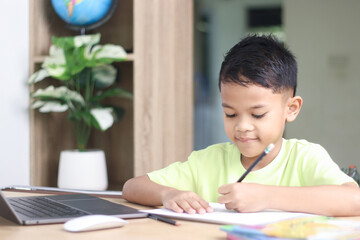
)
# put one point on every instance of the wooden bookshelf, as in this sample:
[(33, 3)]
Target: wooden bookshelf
[(158, 125)]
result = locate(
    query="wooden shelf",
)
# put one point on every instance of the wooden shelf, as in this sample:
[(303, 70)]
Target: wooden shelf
[(157, 127)]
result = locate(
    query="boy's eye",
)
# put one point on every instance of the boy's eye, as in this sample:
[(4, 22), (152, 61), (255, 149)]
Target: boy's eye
[(258, 116), (230, 115)]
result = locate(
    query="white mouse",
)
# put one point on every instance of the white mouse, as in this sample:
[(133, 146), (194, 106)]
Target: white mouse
[(93, 222)]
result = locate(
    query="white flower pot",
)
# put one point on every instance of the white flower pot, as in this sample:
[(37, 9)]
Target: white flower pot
[(82, 170)]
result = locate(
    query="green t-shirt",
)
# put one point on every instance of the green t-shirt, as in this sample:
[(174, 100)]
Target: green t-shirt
[(299, 163)]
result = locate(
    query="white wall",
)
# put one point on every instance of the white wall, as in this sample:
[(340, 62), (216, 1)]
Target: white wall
[(14, 94), (324, 35)]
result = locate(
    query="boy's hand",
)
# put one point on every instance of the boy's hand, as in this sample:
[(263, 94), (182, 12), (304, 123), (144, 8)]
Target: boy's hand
[(243, 197), (185, 201)]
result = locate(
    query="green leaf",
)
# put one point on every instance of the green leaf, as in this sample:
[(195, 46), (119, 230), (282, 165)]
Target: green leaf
[(75, 60), (63, 42), (119, 113), (56, 56), (89, 55), (82, 116), (38, 76), (49, 106), (86, 40), (74, 53), (114, 92), (61, 93), (104, 75), (94, 122), (55, 64), (109, 53), (103, 116), (76, 41), (37, 104)]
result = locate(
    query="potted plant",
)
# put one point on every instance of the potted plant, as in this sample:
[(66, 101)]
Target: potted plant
[(86, 77)]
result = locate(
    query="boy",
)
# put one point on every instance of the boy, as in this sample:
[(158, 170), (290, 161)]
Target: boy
[(257, 82)]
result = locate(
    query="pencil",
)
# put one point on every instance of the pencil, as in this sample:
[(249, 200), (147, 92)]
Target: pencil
[(163, 219), (267, 150)]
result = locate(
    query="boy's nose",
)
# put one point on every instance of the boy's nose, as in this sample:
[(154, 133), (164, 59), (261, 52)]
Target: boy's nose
[(244, 125)]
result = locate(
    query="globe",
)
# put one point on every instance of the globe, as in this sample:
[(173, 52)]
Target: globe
[(84, 13)]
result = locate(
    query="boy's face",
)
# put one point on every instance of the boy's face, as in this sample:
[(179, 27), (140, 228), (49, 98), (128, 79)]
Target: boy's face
[(254, 117)]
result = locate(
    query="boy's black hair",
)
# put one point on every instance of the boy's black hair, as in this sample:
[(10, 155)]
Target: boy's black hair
[(260, 60)]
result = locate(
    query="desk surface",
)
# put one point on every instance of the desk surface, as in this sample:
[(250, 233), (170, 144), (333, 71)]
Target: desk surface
[(141, 229)]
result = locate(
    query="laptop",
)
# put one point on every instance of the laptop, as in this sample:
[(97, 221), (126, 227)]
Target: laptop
[(60, 208)]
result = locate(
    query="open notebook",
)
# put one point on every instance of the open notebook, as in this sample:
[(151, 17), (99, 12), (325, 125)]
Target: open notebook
[(223, 216)]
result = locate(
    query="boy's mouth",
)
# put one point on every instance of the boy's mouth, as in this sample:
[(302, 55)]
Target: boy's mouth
[(245, 139)]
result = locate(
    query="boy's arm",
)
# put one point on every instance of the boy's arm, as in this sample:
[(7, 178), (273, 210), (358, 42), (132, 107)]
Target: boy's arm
[(144, 191), (329, 200)]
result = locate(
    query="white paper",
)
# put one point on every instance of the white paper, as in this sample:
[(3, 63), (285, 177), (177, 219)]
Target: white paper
[(223, 216)]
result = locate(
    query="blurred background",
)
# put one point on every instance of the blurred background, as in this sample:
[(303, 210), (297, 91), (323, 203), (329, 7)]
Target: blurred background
[(324, 37)]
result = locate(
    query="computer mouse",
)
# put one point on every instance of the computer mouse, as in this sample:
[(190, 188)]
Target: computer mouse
[(93, 222)]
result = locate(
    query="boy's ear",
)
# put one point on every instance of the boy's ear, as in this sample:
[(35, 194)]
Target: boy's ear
[(293, 108)]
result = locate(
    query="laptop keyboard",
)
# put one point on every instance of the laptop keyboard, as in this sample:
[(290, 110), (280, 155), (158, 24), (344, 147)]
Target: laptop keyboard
[(40, 207)]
